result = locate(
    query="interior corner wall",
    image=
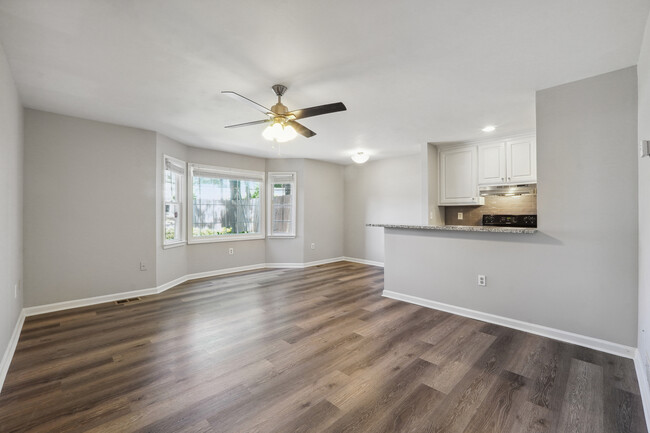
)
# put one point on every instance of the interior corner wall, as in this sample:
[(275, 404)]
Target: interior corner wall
[(323, 190), (171, 263), (289, 250), (643, 74), (11, 210), (89, 203), (387, 191)]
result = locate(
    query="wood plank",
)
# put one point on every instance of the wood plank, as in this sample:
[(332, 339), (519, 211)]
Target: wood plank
[(304, 350)]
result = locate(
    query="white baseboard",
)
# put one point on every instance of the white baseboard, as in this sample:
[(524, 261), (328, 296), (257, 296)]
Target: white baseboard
[(557, 334), (304, 265), (363, 261), (11, 348), (644, 387), (66, 305)]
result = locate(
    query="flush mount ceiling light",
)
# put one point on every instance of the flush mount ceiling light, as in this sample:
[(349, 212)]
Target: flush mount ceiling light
[(282, 122), (360, 157), (489, 128)]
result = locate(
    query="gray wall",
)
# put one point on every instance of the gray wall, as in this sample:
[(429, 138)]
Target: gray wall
[(385, 191), (644, 202), (323, 211), (11, 210), (579, 272), (89, 208)]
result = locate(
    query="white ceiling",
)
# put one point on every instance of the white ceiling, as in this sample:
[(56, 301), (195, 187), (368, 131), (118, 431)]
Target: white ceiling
[(409, 72)]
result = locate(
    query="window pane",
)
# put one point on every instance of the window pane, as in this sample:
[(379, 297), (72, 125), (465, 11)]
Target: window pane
[(225, 206), (172, 222), (282, 212), (172, 199)]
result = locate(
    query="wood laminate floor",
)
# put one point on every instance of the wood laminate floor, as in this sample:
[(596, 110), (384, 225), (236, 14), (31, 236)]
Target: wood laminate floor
[(308, 350)]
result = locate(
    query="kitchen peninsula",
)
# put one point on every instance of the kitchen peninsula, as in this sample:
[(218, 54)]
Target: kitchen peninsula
[(458, 228)]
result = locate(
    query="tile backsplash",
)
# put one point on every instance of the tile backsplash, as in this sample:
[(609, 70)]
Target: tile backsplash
[(494, 205)]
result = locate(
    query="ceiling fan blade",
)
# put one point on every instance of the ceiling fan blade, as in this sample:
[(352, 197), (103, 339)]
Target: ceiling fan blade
[(317, 111), (249, 102), (305, 132), (256, 122)]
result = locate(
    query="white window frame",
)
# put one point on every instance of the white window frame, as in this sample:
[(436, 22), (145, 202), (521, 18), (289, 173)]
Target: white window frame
[(182, 203), (270, 183), (250, 174)]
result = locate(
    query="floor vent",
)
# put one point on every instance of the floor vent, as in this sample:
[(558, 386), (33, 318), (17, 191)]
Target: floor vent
[(126, 301)]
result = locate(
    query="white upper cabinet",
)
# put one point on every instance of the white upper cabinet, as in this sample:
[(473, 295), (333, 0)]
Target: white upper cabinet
[(522, 160), (492, 163), (458, 183), (507, 162)]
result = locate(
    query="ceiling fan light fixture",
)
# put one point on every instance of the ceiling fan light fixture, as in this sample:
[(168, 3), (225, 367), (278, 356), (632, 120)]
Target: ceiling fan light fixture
[(360, 157), (280, 132)]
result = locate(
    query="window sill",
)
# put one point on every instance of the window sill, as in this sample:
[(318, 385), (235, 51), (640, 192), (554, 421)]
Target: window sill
[(281, 237), (226, 238), (174, 245)]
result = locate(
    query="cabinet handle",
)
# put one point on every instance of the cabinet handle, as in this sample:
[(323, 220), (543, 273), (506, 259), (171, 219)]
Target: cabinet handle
[(503, 178)]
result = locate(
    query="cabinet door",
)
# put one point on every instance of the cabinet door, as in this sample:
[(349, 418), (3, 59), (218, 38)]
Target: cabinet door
[(491, 164), (458, 176), (522, 161)]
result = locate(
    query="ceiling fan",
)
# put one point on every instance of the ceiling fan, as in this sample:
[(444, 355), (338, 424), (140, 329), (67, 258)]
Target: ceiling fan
[(282, 122)]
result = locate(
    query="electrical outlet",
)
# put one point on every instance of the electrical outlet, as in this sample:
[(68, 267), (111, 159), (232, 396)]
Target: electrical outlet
[(143, 266), (313, 245), (231, 251), (460, 216), (644, 148), (482, 281)]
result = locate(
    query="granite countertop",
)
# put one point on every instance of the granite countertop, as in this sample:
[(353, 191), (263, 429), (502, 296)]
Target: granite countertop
[(515, 230)]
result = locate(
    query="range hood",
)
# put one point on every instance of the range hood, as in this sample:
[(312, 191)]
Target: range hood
[(508, 190)]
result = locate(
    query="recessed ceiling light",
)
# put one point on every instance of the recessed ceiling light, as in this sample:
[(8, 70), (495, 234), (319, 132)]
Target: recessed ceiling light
[(360, 157), (489, 128)]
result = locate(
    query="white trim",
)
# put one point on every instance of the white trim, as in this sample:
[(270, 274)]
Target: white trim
[(11, 348), (251, 174), (269, 199), (363, 261), (226, 238), (217, 272), (181, 203), (557, 334), (66, 305), (304, 265), (644, 387), (174, 245)]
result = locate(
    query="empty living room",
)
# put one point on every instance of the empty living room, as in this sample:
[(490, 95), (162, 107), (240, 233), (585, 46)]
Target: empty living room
[(343, 216)]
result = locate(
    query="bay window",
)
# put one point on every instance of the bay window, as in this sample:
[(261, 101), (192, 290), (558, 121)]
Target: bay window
[(226, 204)]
